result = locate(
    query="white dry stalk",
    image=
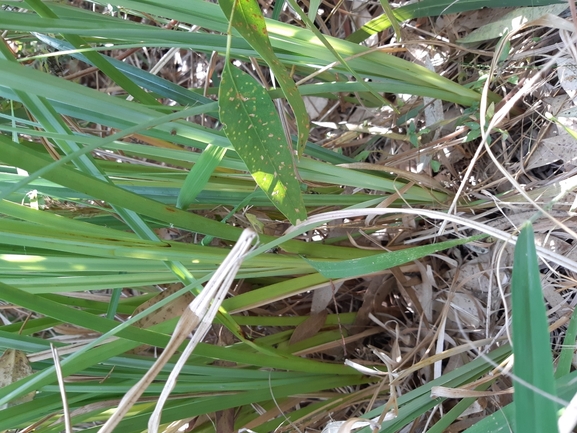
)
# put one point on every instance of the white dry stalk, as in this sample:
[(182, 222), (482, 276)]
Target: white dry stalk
[(60, 377), (499, 116), (200, 313), (568, 419)]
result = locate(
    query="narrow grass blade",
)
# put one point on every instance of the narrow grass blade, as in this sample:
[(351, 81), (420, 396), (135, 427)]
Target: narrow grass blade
[(247, 18), (428, 8), (20, 156), (417, 402), (334, 52), (368, 265), (566, 357), (143, 78), (77, 317), (199, 175), (43, 10), (503, 421), (533, 383), (254, 128)]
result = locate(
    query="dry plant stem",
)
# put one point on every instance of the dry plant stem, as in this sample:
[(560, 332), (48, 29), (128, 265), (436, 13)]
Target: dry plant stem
[(200, 311), (443, 391), (573, 10), (60, 377), (207, 310), (497, 118)]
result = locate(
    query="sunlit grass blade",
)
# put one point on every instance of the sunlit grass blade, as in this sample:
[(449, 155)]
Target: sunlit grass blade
[(533, 381)]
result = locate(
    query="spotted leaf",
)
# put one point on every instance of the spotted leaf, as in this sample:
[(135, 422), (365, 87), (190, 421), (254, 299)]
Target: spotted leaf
[(247, 19), (255, 131)]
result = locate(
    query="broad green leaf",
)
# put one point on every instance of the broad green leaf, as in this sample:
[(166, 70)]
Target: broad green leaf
[(247, 18), (254, 129), (534, 409), (380, 262), (199, 175)]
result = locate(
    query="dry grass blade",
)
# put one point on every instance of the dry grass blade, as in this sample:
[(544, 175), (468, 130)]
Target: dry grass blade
[(201, 311), (55, 357)]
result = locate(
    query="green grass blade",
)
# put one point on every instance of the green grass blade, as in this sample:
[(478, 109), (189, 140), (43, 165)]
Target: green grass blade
[(535, 410), (568, 349), (504, 420), (292, 46), (254, 128), (417, 402), (199, 175), (154, 83), (380, 262), (77, 317), (248, 20), (338, 57), (428, 8), (19, 156), (44, 11)]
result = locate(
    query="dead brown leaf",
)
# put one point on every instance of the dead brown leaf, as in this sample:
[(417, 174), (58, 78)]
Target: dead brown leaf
[(14, 365)]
